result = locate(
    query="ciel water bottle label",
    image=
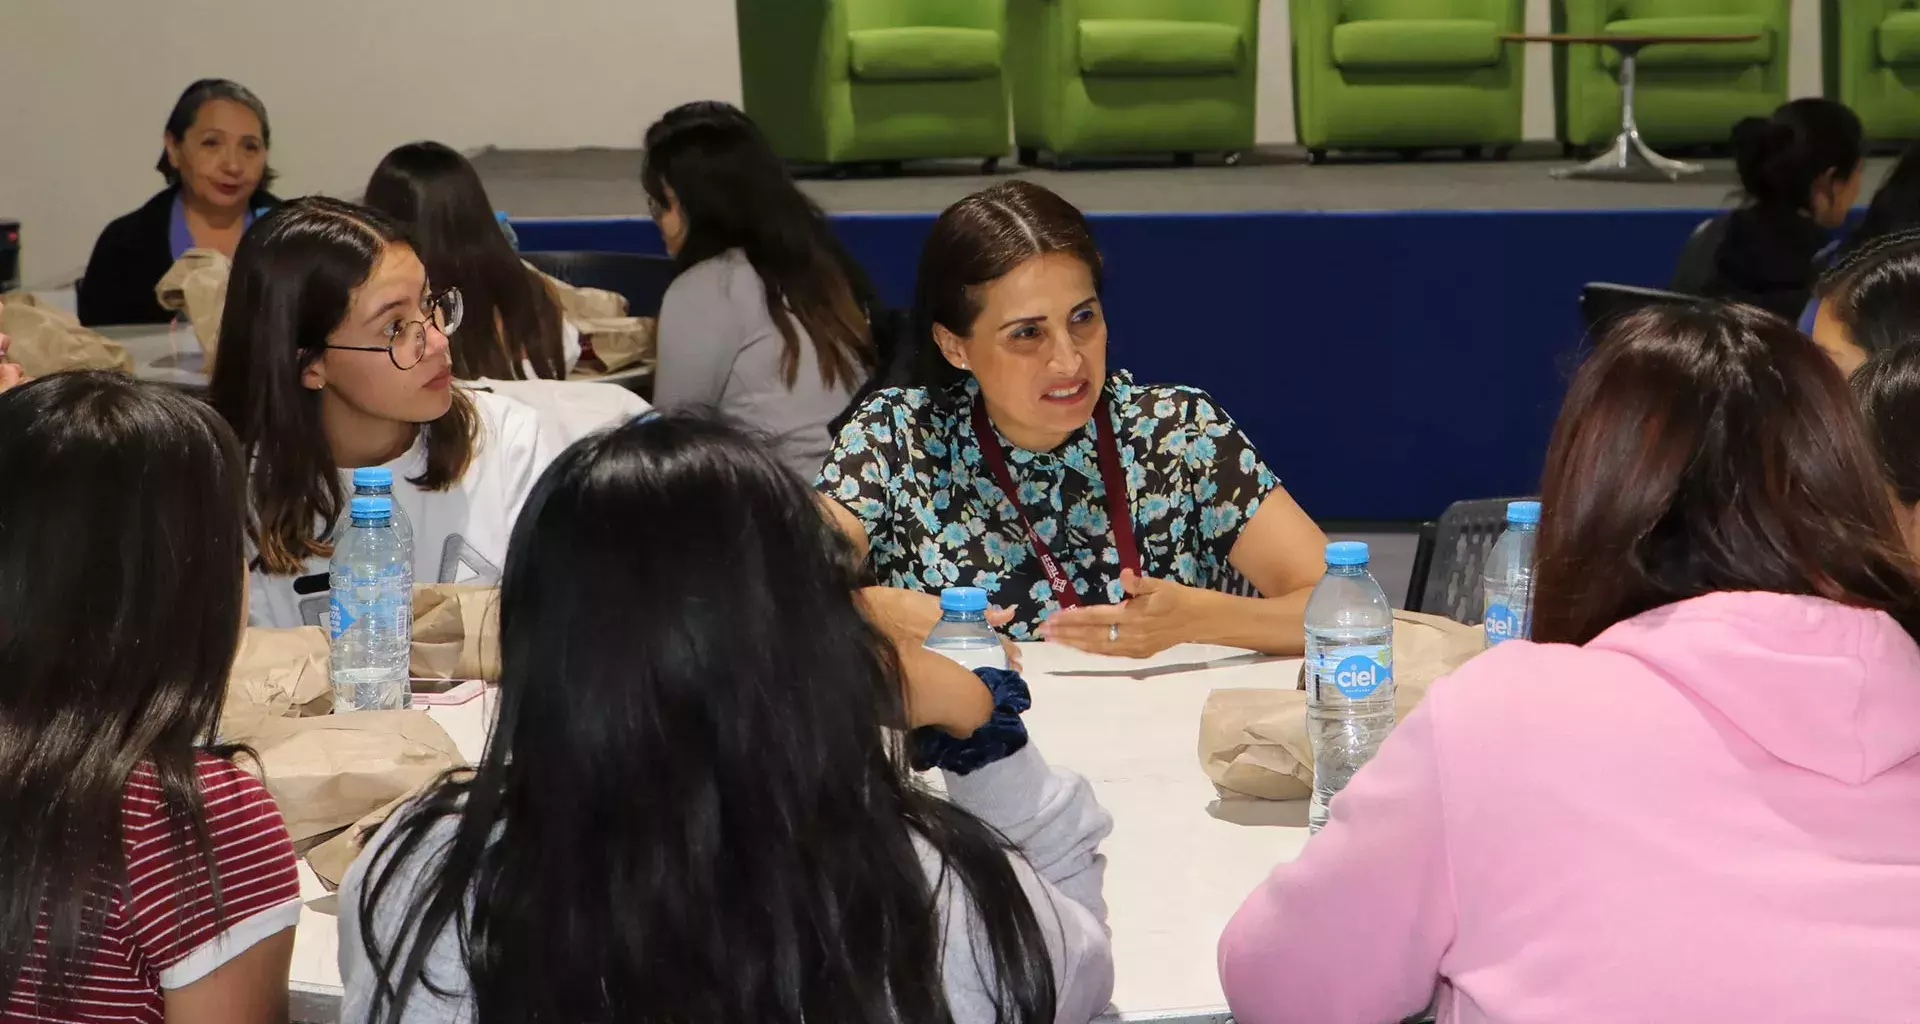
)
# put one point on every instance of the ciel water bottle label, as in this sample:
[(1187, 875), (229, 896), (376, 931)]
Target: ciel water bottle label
[(1503, 623), (338, 617), (1355, 671)]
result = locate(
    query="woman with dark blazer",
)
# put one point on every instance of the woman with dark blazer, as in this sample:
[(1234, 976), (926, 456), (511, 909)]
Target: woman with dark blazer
[(215, 163)]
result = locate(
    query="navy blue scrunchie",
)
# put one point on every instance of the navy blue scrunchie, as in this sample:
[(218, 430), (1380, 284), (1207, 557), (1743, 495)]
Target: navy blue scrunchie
[(1001, 738)]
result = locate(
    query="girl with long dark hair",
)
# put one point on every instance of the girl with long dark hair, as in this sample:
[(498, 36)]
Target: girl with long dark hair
[(695, 805), (1692, 795), (334, 355), (767, 322), (1870, 322), (1866, 300), (143, 876), (513, 327)]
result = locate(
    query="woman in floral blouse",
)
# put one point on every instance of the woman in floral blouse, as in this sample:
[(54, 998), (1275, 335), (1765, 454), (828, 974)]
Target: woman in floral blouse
[(995, 474)]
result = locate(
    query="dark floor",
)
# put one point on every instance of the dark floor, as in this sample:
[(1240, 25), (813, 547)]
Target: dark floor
[(602, 182)]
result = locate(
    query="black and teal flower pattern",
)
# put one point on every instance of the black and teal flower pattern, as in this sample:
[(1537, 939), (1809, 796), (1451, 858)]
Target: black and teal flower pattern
[(909, 467)]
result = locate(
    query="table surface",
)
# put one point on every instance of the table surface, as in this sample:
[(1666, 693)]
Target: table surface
[(1622, 39), (1179, 861), (165, 353)]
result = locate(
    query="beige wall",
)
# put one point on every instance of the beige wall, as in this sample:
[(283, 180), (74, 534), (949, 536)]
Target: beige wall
[(86, 85)]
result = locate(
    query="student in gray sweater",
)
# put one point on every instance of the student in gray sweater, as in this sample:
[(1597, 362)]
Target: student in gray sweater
[(767, 322), (697, 804)]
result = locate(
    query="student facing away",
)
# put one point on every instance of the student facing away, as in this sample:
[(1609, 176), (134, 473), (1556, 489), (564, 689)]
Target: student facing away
[(1695, 795)]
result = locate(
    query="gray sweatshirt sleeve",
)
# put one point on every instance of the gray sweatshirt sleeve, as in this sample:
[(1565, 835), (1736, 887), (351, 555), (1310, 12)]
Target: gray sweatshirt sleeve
[(444, 965), (1052, 816), (700, 336)]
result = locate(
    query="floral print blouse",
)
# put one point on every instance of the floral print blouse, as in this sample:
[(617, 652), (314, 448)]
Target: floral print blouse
[(909, 467)]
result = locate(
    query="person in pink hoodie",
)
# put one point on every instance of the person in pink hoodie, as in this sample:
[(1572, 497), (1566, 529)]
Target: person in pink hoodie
[(1695, 795)]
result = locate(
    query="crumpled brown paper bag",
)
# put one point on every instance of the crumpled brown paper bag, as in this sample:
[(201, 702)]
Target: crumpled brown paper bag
[(197, 284), (279, 673), (456, 631), (328, 772), (618, 340), (438, 633), (1254, 742), (331, 859), (48, 340)]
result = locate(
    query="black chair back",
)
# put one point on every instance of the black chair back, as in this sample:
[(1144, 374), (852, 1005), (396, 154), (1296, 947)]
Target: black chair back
[(1451, 558), (1601, 302), (1695, 267), (641, 279), (895, 355)]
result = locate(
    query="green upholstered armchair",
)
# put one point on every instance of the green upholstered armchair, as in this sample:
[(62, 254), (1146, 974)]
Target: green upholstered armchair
[(1132, 76), (845, 81), (1406, 74), (1683, 93), (1872, 62)]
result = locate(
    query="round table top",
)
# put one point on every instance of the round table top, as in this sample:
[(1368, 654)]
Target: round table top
[(1626, 40)]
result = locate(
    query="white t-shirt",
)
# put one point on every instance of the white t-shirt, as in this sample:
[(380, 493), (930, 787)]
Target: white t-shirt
[(459, 534)]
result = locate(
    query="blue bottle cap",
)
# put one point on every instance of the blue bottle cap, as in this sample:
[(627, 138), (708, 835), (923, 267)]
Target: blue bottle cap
[(1347, 552), (372, 507), (963, 599), (1524, 513), (373, 476)]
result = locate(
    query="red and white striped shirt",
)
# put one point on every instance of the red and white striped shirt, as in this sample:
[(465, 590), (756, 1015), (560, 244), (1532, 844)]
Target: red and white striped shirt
[(147, 943)]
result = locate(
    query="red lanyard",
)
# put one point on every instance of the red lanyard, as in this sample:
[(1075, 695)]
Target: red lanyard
[(1119, 514)]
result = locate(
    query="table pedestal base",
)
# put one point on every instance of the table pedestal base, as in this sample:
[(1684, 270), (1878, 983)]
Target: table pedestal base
[(1630, 159)]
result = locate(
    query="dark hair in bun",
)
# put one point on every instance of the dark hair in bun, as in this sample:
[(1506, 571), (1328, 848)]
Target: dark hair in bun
[(1781, 156)]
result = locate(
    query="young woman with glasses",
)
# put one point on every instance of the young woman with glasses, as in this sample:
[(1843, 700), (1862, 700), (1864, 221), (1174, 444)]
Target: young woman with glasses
[(334, 356)]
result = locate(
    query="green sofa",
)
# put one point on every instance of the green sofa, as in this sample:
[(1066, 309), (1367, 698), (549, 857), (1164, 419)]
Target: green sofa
[(1095, 77), (1406, 74), (1684, 94), (848, 81), (1871, 52)]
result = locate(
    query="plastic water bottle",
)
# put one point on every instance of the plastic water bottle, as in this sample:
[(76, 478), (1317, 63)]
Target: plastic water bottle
[(1349, 673), (372, 611), (962, 632), (506, 228), (1508, 584), (377, 482)]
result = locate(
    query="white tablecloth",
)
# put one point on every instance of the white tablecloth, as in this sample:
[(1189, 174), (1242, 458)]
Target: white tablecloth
[(164, 353), (1178, 863)]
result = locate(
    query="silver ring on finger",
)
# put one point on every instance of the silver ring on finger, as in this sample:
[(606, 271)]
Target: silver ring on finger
[(1113, 632)]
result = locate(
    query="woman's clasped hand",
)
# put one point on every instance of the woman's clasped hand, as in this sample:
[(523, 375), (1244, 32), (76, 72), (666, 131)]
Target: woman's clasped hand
[(1156, 615)]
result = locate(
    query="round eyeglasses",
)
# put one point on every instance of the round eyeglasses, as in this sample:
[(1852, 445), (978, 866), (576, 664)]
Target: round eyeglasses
[(407, 339)]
